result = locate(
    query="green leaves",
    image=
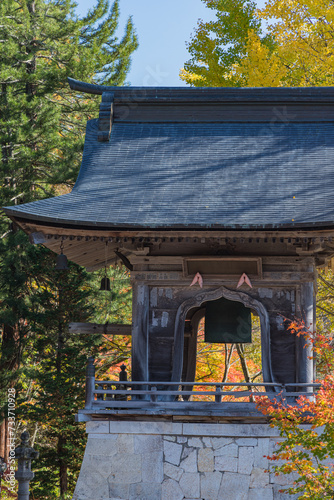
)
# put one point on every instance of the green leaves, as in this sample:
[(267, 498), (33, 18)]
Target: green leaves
[(218, 45), (42, 126)]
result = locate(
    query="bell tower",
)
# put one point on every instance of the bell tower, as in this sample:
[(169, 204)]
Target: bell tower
[(220, 212)]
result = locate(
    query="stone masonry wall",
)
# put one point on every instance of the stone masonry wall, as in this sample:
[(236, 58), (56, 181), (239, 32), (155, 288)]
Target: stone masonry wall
[(178, 461)]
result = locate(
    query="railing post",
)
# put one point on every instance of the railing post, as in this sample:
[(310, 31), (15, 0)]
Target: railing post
[(24, 454), (153, 395), (123, 377), (218, 397), (90, 383), (123, 374)]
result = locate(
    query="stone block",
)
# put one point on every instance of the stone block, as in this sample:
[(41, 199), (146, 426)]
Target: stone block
[(259, 478), (210, 482), (246, 442), (220, 442), (189, 484), (195, 442), (103, 447), (230, 450), (146, 443), (261, 493), (152, 467), (125, 443), (97, 463), (207, 442), (171, 490), (182, 439), (97, 427), (273, 445), (257, 430), (170, 438), (189, 464), (172, 471), (261, 451), (205, 460), (283, 479), (279, 495), (133, 427), (126, 469), (226, 464), (234, 486), (119, 490), (92, 485), (186, 452), (246, 459), (202, 430), (172, 452), (145, 491), (230, 430), (103, 437)]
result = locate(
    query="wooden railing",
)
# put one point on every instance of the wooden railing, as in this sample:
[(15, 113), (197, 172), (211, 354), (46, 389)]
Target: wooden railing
[(209, 398)]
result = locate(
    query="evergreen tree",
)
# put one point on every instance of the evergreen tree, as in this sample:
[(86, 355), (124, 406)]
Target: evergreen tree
[(42, 42), (42, 123), (50, 381), (51, 386)]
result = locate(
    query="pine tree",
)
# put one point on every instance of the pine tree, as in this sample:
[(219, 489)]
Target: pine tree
[(51, 385), (42, 42), (42, 122)]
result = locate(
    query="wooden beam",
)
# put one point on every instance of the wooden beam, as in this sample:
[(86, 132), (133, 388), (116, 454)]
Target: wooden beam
[(94, 328), (292, 232), (218, 112)]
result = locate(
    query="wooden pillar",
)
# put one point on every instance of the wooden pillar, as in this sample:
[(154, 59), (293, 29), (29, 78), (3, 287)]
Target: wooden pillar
[(140, 312), (304, 368), (190, 374)]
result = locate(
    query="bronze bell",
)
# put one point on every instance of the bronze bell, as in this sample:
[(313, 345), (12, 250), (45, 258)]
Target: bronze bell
[(105, 285), (61, 262)]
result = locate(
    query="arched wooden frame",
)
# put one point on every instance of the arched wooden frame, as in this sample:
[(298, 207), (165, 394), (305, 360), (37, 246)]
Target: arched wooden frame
[(205, 296)]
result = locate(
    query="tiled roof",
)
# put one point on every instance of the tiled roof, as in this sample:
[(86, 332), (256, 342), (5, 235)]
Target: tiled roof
[(199, 175)]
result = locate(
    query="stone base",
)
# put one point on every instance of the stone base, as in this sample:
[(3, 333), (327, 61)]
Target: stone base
[(178, 461)]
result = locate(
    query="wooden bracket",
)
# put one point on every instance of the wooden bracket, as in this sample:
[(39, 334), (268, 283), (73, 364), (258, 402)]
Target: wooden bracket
[(105, 116), (94, 328)]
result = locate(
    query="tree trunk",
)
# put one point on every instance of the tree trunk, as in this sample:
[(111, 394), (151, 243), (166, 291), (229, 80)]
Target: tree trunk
[(241, 353), (4, 440), (228, 357), (63, 478), (245, 371)]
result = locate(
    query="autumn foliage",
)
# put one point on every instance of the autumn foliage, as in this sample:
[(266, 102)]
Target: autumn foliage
[(306, 426), (282, 44)]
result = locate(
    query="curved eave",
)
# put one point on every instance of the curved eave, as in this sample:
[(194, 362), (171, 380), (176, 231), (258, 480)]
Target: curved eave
[(102, 226), (85, 244)]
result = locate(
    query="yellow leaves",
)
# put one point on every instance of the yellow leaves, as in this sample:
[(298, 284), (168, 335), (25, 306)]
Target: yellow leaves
[(303, 32), (298, 49), (260, 68), (191, 78)]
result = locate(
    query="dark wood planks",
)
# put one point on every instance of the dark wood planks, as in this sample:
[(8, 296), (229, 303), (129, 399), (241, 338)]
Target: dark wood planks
[(221, 112), (94, 328)]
